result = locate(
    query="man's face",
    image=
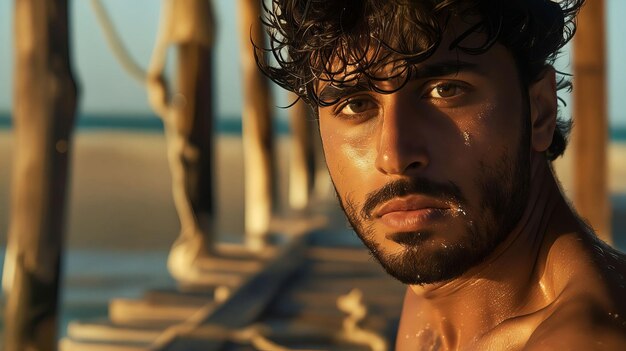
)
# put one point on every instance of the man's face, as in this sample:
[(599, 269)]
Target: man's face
[(432, 177)]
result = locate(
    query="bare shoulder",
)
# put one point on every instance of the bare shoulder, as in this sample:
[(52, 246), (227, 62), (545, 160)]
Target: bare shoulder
[(580, 324), (589, 309)]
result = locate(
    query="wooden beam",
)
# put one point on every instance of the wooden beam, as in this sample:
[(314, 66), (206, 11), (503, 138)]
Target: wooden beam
[(186, 109), (590, 135), (257, 128), (43, 111), (302, 154)]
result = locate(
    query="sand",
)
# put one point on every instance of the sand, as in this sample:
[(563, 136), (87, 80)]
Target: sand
[(120, 193)]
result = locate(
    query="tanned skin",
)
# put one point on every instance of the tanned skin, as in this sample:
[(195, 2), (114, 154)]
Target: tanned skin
[(547, 282)]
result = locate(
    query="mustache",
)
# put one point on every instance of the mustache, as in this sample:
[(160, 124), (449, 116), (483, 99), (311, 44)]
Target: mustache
[(448, 192)]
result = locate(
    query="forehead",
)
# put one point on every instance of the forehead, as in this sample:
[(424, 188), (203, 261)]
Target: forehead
[(450, 56)]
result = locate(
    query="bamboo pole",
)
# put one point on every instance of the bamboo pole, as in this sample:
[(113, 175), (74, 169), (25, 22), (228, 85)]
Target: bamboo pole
[(590, 115), (187, 114), (257, 129), (44, 106)]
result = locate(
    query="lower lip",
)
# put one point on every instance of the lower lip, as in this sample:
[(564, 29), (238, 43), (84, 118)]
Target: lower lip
[(412, 220)]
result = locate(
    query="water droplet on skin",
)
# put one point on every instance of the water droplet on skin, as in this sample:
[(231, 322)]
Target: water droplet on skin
[(486, 109), (459, 211), (466, 138), (444, 246)]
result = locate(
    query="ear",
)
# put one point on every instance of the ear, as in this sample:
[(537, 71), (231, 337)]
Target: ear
[(543, 109)]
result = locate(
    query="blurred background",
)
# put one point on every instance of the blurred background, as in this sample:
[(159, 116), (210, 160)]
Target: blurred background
[(121, 218)]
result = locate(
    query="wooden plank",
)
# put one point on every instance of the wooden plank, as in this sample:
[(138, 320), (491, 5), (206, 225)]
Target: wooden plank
[(105, 331), (167, 318), (73, 345), (244, 307), (137, 312)]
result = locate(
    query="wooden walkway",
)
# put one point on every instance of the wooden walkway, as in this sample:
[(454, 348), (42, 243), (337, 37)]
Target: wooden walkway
[(320, 291)]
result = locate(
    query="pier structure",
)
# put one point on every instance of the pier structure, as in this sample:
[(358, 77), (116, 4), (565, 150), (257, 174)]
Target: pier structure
[(302, 282), (318, 289)]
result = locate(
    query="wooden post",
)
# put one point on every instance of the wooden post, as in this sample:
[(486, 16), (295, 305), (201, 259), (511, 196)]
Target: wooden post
[(187, 114), (590, 117), (302, 165), (257, 129), (44, 106)]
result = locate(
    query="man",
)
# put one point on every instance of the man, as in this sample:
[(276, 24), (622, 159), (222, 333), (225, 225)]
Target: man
[(439, 123)]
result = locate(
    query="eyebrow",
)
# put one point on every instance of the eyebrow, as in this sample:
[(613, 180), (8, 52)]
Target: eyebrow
[(332, 93)]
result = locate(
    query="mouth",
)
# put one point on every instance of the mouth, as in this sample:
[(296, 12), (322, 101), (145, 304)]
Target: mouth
[(410, 213)]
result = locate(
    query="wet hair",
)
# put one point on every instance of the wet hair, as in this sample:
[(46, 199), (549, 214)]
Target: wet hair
[(342, 41)]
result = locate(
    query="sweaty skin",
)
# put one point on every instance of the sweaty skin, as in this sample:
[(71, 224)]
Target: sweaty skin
[(550, 286), (549, 283)]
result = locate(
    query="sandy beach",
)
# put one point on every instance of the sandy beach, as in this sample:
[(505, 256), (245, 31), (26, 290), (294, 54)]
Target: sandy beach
[(120, 195)]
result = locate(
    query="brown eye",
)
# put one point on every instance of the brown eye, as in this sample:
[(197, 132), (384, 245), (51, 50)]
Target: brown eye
[(444, 90), (356, 106)]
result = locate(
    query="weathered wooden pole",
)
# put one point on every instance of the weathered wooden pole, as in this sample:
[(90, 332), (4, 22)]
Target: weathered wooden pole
[(590, 117), (302, 155), (187, 113), (257, 129), (45, 97)]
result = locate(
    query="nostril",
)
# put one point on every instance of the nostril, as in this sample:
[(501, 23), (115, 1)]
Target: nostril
[(414, 165)]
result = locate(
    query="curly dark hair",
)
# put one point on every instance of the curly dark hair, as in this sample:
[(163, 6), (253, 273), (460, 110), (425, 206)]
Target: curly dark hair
[(329, 40)]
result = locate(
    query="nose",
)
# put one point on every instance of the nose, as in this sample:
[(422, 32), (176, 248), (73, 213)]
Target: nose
[(402, 147)]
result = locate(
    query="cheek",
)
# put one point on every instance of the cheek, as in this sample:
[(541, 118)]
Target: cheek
[(348, 157), (480, 133), (491, 127)]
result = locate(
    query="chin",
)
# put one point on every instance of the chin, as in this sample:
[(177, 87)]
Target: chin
[(417, 258)]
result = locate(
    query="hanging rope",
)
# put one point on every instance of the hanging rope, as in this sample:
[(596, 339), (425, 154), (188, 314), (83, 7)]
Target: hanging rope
[(154, 81), (115, 43)]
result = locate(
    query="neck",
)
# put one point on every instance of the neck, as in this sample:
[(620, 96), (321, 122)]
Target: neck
[(509, 282)]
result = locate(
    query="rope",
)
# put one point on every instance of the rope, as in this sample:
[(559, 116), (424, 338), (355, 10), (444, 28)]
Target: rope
[(154, 81), (115, 43), (351, 303)]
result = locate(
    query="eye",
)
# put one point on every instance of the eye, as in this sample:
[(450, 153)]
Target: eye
[(355, 106), (444, 90)]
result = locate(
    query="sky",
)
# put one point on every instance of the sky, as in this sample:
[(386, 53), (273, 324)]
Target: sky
[(106, 88)]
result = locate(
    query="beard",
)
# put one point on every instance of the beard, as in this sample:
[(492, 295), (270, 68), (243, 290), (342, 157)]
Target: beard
[(504, 191)]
